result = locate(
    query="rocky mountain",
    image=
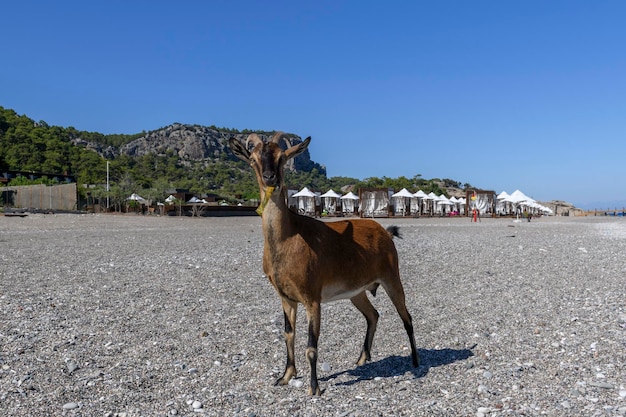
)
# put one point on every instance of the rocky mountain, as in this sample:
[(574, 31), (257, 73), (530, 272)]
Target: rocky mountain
[(194, 143)]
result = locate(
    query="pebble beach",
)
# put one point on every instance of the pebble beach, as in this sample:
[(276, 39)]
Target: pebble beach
[(130, 315)]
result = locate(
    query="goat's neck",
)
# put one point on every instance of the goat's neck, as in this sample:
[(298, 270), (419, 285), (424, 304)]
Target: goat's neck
[(277, 218)]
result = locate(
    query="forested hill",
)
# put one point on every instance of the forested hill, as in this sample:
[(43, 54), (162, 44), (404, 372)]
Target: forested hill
[(181, 156), (189, 143), (193, 157)]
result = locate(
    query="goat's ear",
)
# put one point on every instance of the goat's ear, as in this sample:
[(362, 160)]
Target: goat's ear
[(298, 149), (239, 149)]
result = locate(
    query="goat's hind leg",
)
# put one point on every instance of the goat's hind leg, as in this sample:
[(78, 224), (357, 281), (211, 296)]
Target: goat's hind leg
[(290, 310), (396, 292), (363, 304)]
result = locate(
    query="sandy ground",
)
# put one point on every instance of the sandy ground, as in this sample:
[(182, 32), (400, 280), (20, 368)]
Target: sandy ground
[(104, 315)]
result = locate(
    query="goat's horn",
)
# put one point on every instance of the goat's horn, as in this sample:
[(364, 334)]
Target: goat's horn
[(254, 138), (277, 137)]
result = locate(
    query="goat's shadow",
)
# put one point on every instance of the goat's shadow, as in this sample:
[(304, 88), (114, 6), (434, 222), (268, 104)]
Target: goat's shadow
[(398, 365)]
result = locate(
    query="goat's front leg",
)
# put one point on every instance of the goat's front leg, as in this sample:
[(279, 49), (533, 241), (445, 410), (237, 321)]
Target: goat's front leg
[(314, 317), (290, 310)]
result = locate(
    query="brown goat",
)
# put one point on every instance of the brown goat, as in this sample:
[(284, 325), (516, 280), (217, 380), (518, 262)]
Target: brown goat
[(312, 262)]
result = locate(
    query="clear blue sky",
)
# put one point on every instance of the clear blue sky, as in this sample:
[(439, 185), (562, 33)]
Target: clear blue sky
[(503, 95)]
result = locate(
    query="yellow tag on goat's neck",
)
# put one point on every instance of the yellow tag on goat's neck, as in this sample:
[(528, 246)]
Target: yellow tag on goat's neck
[(266, 198)]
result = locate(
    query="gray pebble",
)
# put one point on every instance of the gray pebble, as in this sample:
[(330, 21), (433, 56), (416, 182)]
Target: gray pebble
[(601, 384), (71, 367)]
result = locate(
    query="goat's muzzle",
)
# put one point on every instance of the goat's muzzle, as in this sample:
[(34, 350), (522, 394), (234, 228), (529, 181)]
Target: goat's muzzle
[(270, 179)]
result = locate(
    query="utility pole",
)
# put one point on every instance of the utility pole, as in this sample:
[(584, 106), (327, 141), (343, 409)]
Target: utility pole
[(107, 186)]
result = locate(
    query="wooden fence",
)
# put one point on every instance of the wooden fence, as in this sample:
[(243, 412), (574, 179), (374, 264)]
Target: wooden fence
[(40, 197)]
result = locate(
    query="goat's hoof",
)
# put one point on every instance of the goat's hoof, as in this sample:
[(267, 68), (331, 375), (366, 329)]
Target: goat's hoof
[(281, 381), (317, 391), (290, 372), (416, 361), (363, 359)]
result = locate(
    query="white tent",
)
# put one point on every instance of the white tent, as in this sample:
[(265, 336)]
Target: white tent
[(456, 205), (194, 200), (462, 205), (138, 198), (400, 201), (442, 199), (534, 207), (170, 199), (517, 197), (503, 206), (349, 202), (305, 192), (331, 201), (403, 193), (426, 202), (418, 204), (431, 198), (306, 201), (545, 210), (331, 193), (502, 195), (442, 204)]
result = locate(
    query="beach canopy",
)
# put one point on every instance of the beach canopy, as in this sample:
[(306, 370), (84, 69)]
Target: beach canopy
[(350, 196), (420, 194), (137, 197), (403, 193), (517, 197), (348, 202), (306, 201), (331, 201), (502, 196), (305, 192), (442, 198), (170, 199), (331, 194), (400, 201)]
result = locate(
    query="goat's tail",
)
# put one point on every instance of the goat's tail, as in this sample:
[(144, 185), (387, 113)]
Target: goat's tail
[(394, 231)]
